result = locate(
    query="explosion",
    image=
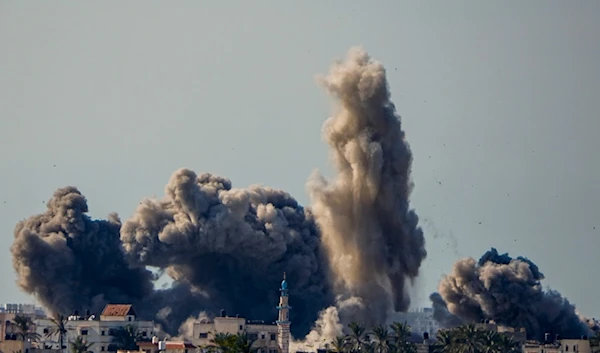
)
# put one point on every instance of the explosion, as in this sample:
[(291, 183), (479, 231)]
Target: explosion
[(348, 257), (509, 292)]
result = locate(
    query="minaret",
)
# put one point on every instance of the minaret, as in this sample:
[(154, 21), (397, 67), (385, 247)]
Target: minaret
[(283, 323)]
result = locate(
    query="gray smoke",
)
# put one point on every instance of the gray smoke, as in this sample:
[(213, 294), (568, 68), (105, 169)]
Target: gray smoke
[(224, 248), (227, 248), (369, 232), (508, 291), (230, 247), (72, 262)]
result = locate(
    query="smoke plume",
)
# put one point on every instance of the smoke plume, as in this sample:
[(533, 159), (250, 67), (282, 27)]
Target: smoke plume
[(509, 292), (223, 247), (350, 257), (370, 234)]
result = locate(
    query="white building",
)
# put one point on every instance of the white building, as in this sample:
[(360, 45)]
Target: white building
[(420, 321), (560, 346), (268, 338), (22, 309), (96, 330)]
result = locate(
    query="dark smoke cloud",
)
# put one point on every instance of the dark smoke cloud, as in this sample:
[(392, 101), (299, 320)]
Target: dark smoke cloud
[(231, 247), (508, 291), (70, 261), (350, 258), (225, 248)]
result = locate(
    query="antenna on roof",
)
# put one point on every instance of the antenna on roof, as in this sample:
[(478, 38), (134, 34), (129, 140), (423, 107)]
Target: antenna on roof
[(284, 275)]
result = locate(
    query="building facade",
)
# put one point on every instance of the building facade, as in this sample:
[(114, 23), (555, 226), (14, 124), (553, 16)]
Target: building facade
[(268, 338), (97, 330)]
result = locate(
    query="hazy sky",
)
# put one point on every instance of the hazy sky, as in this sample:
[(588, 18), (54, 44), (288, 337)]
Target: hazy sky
[(500, 102)]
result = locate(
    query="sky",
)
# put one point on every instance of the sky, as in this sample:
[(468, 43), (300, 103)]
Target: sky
[(500, 102)]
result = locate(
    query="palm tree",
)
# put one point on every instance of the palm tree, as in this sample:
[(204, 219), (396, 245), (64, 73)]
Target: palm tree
[(243, 344), (402, 332), (381, 337), (445, 342), (339, 344), (222, 342), (26, 328), (126, 337), (80, 345), (59, 329), (469, 339), (355, 339)]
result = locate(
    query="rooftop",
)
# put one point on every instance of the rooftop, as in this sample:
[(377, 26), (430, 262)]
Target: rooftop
[(118, 310)]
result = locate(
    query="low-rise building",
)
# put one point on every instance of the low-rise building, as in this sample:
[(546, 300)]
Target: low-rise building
[(96, 330), (167, 347), (268, 337), (558, 346)]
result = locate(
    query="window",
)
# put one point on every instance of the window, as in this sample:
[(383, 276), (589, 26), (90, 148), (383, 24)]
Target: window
[(253, 337), (46, 330), (203, 335), (144, 333), (102, 348), (241, 328), (129, 318), (273, 351), (273, 337), (84, 332), (102, 333), (262, 337)]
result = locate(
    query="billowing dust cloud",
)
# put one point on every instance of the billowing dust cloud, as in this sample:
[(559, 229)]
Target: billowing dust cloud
[(225, 248), (370, 234), (349, 257), (509, 292)]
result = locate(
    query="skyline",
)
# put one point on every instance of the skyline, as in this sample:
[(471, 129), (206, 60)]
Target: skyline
[(442, 103)]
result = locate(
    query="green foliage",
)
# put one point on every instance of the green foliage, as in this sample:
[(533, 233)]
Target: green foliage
[(227, 343), (471, 339), (80, 345), (126, 338), (396, 339), (380, 339), (25, 328), (58, 329)]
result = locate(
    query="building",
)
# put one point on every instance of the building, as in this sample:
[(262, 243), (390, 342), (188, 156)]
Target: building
[(22, 309), (94, 329), (420, 320), (268, 338), (558, 346), (517, 335), (163, 347)]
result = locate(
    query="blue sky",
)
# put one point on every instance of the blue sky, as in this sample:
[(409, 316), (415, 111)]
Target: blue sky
[(500, 102)]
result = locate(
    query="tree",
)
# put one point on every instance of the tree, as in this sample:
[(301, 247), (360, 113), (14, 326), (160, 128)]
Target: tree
[(126, 337), (228, 343), (25, 327), (58, 329), (381, 337), (222, 342), (402, 333), (80, 345), (243, 344), (471, 339), (339, 344), (355, 339)]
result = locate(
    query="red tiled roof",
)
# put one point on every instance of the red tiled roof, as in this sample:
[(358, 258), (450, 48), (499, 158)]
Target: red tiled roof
[(118, 310)]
